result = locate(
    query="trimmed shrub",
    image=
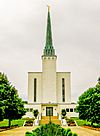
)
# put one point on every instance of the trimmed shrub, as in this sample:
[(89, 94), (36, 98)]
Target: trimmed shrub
[(50, 130), (74, 134), (69, 133), (28, 134), (29, 121), (96, 125), (68, 130), (71, 120)]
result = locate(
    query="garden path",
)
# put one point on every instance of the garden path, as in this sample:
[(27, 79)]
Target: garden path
[(21, 131), (84, 131), (17, 131)]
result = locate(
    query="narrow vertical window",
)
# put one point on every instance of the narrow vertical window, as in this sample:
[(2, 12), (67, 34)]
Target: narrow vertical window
[(35, 83), (63, 90)]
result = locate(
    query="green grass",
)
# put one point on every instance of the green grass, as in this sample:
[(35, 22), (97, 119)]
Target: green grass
[(18, 122), (80, 122)]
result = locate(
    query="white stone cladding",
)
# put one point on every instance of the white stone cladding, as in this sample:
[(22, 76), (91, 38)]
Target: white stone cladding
[(66, 76), (49, 88), (31, 77), (55, 110), (49, 79), (34, 107), (52, 89), (68, 106)]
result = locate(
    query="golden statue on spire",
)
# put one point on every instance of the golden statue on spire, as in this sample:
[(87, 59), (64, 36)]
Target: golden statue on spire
[(48, 7)]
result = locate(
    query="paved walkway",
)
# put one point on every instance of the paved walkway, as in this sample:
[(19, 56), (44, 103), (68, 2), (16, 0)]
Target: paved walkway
[(21, 131), (17, 131), (84, 131)]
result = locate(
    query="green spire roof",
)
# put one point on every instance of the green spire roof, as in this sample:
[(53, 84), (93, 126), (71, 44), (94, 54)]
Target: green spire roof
[(49, 50)]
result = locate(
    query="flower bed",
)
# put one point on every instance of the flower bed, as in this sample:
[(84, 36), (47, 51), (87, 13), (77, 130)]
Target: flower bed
[(29, 123), (70, 122)]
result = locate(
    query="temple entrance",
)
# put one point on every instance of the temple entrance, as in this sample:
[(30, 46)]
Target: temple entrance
[(49, 111)]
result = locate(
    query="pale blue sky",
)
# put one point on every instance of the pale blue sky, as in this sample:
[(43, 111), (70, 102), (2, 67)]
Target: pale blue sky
[(76, 38)]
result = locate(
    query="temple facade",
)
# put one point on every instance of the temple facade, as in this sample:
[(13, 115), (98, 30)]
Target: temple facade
[(49, 91)]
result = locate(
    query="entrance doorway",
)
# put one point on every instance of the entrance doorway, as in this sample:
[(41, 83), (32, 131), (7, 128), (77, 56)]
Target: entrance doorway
[(49, 111)]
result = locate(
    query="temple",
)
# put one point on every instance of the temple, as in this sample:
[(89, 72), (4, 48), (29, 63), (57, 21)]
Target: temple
[(49, 91)]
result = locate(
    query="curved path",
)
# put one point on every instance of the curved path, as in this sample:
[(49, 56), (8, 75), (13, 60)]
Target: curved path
[(17, 131), (21, 131), (84, 131)]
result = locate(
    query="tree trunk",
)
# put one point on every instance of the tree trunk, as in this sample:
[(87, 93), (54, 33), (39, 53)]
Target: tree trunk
[(9, 123)]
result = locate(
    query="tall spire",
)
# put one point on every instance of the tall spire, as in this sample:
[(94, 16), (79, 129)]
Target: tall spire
[(49, 50)]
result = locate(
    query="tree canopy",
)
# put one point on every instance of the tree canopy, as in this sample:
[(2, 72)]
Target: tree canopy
[(11, 106), (89, 104)]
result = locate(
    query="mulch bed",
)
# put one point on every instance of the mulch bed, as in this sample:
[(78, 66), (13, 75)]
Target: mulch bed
[(71, 124), (28, 124), (97, 129)]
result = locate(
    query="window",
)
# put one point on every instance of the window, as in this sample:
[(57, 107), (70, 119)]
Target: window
[(67, 110), (35, 84), (63, 90), (71, 110)]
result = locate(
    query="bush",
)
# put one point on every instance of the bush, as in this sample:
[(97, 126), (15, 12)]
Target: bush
[(87, 124), (96, 125), (71, 120), (63, 112), (50, 129), (28, 134), (36, 112), (69, 133), (68, 130), (29, 121), (74, 134)]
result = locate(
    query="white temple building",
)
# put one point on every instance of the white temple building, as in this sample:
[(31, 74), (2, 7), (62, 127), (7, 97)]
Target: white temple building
[(49, 91)]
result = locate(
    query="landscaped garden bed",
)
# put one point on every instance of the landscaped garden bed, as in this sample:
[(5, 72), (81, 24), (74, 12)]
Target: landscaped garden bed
[(86, 124), (29, 123), (51, 130), (70, 122)]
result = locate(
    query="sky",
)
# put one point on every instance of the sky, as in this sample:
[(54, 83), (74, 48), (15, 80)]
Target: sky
[(76, 39)]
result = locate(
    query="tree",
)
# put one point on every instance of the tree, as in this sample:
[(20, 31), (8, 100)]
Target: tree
[(89, 105), (63, 112), (3, 83), (35, 112), (12, 106)]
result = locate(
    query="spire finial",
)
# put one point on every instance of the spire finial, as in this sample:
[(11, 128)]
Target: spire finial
[(49, 50), (48, 7)]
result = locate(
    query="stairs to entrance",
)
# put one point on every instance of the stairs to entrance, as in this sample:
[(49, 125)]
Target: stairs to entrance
[(54, 119)]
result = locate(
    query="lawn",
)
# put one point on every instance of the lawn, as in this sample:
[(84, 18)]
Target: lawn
[(18, 122), (80, 122)]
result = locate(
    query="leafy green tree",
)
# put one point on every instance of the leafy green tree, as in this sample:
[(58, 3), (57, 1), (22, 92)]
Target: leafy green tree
[(12, 106), (89, 105), (3, 83)]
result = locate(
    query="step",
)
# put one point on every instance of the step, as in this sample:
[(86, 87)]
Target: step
[(47, 117), (46, 121)]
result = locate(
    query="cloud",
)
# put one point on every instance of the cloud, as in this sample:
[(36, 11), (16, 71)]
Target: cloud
[(76, 31)]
